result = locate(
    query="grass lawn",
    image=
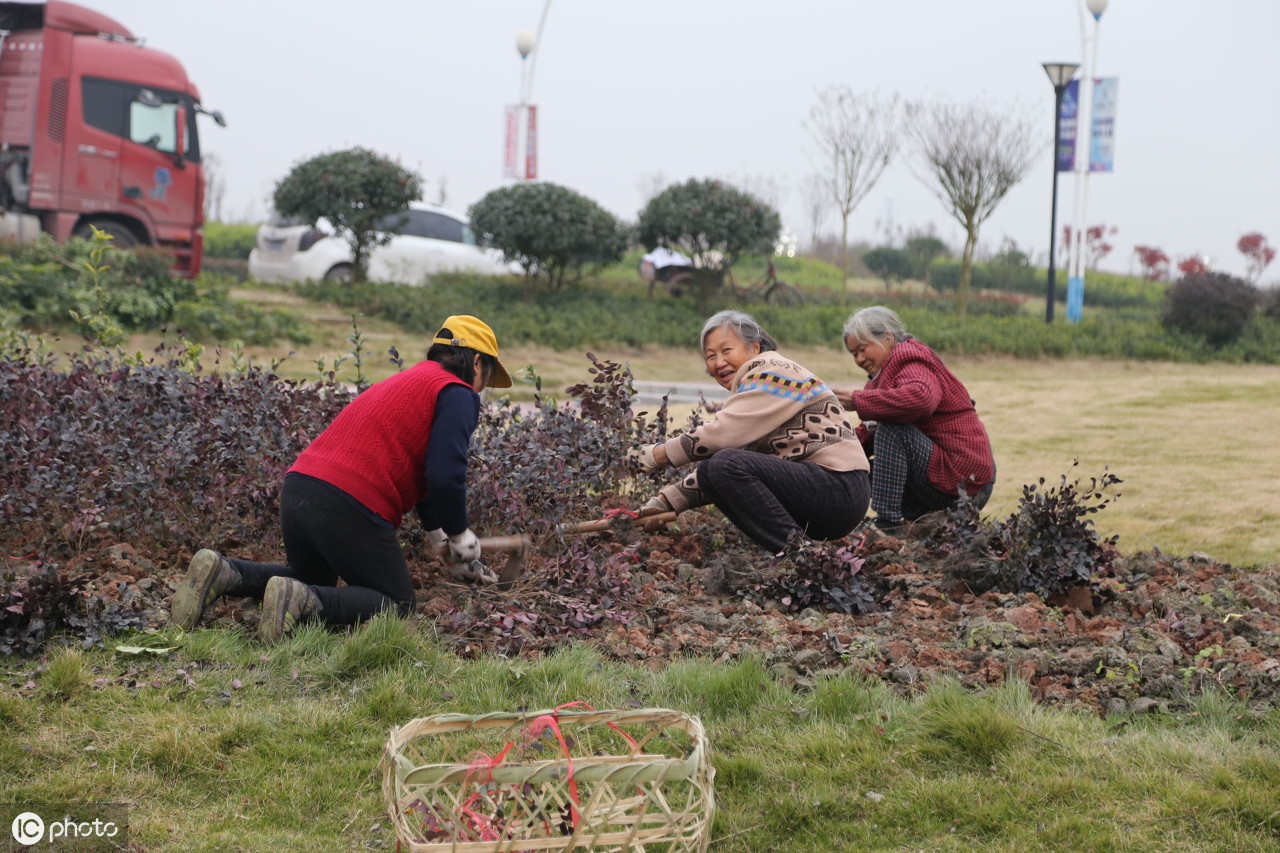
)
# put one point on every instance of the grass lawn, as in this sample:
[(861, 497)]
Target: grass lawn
[(224, 746)]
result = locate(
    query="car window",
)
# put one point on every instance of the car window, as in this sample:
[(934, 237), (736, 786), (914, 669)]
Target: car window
[(443, 227), (405, 223), (427, 223)]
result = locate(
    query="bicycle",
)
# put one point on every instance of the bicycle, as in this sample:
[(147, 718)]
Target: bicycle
[(768, 287)]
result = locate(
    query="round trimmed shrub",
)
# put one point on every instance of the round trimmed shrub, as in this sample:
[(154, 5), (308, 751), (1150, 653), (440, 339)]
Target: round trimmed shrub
[(1271, 303), (1210, 305), (712, 222), (551, 231)]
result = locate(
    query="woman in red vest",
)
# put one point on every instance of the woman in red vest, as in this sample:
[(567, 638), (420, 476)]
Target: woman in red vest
[(400, 445), (919, 426)]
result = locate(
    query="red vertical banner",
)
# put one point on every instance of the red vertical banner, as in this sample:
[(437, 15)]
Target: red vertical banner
[(510, 153), (531, 146)]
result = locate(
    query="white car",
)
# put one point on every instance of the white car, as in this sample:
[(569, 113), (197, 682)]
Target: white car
[(430, 240)]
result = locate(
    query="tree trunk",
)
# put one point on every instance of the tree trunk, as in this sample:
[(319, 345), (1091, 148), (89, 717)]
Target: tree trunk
[(705, 285), (844, 257), (359, 262), (966, 269)]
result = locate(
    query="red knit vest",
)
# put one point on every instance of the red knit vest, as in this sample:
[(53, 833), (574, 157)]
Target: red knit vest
[(376, 447)]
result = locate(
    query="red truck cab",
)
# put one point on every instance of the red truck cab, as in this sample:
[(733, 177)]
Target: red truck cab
[(97, 130)]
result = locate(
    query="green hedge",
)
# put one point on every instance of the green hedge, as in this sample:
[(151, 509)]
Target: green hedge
[(42, 283), (585, 318), (229, 239), (809, 274), (1101, 289)]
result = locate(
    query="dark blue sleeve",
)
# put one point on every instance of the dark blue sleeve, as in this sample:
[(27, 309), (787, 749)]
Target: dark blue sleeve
[(445, 506)]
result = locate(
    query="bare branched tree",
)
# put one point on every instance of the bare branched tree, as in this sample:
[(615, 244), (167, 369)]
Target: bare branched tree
[(215, 187), (855, 137), (767, 188), (650, 185), (817, 201), (970, 155)]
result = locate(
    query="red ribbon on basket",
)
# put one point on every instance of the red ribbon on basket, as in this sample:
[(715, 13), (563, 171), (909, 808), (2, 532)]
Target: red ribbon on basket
[(482, 765)]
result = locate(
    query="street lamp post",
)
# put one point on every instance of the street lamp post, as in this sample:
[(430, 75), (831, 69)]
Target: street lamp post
[(524, 116), (1083, 167), (525, 42), (1060, 74)]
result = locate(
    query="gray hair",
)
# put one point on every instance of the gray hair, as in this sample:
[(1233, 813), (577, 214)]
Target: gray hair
[(872, 324), (743, 325)]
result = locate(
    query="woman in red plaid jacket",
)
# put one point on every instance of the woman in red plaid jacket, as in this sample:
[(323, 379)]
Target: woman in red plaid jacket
[(919, 426)]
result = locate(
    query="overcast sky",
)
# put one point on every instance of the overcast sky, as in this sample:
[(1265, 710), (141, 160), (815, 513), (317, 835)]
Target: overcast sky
[(630, 91)]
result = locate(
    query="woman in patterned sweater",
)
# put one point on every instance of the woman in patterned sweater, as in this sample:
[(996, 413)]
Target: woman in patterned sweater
[(779, 458), (919, 424)]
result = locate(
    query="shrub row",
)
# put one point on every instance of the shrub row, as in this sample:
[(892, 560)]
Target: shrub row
[(144, 449), (105, 448), (809, 274), (1101, 290), (582, 319), (229, 239), (109, 447), (95, 289)]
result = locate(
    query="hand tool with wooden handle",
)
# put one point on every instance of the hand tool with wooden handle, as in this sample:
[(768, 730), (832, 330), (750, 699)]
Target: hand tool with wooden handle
[(648, 522), (516, 546)]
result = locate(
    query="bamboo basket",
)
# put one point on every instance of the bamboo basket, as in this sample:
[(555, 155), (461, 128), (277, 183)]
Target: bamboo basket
[(582, 780)]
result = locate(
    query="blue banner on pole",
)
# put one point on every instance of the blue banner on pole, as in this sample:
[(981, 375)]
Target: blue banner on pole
[(1102, 142), (1075, 298), (1068, 120)]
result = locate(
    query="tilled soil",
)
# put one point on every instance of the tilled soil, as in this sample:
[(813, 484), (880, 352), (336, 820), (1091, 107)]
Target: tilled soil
[(1157, 632)]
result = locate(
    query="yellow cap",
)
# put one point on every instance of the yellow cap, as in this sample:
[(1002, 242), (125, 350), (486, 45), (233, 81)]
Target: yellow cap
[(463, 330)]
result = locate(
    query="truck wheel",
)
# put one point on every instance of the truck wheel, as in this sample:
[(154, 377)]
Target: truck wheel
[(340, 274), (121, 236)]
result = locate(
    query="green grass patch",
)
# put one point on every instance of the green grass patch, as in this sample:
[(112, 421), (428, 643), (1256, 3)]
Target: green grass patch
[(225, 745)]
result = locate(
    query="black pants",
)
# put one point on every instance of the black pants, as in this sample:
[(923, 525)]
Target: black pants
[(770, 498), (327, 537)]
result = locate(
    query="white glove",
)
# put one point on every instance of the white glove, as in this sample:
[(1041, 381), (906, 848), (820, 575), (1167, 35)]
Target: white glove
[(656, 504), (642, 458), (464, 547), (472, 572), (438, 539)]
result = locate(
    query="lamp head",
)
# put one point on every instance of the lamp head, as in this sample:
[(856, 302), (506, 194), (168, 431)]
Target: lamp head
[(524, 43), (1060, 73), (1096, 8)]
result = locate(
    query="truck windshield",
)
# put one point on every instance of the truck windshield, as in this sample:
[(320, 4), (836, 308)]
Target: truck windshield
[(153, 125), (140, 114)]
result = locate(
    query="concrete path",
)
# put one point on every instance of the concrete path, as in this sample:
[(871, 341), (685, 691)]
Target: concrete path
[(678, 392)]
